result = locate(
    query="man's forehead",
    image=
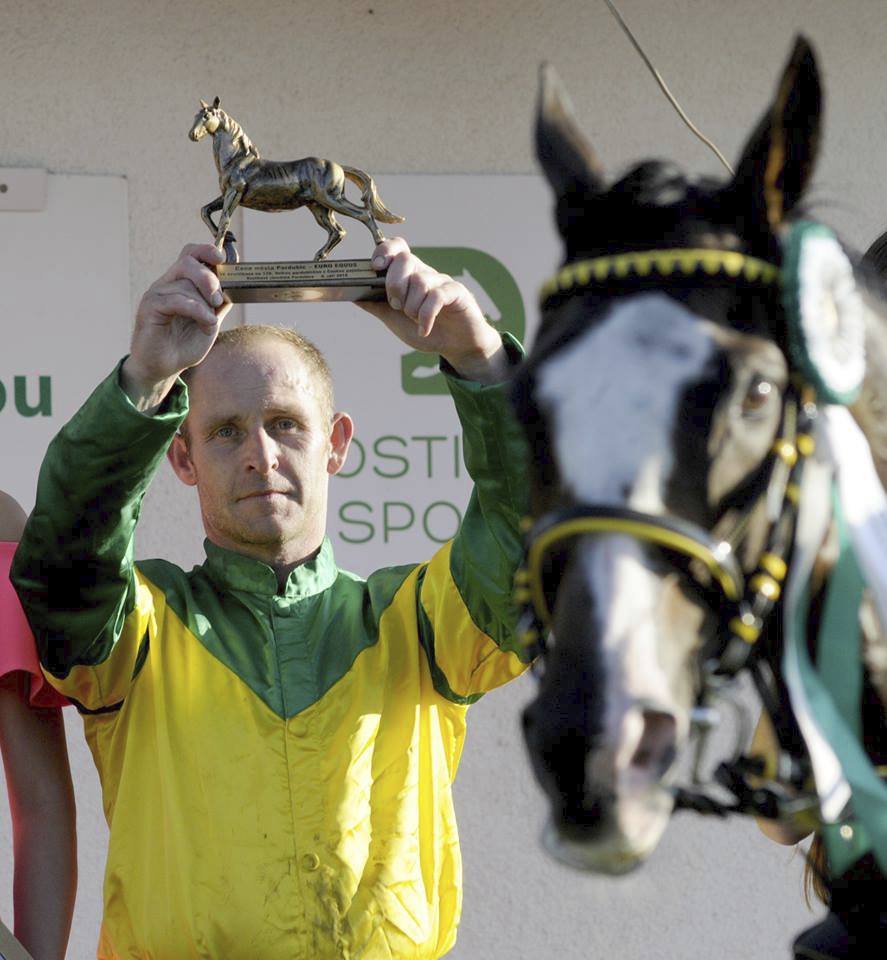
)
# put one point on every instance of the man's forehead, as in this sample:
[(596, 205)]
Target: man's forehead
[(259, 371), (266, 359)]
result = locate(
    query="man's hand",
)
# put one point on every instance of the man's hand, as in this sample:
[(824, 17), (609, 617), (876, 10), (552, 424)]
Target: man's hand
[(430, 311), (177, 322)]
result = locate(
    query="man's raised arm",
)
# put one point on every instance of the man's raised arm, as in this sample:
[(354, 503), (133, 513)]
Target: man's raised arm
[(466, 616), (90, 613), (177, 322)]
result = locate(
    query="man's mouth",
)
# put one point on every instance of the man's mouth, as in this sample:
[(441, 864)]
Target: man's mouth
[(264, 494)]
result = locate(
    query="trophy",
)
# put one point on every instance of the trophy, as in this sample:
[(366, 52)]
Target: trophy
[(245, 179)]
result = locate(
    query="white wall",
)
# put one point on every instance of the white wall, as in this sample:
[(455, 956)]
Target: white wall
[(448, 86)]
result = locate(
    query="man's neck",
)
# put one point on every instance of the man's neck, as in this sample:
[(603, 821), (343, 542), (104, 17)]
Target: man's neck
[(283, 569), (282, 560)]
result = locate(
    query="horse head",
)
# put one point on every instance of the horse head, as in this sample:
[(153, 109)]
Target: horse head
[(207, 120), (657, 399)]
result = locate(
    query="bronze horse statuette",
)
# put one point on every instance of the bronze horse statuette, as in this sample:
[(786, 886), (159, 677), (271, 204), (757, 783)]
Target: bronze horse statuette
[(245, 179)]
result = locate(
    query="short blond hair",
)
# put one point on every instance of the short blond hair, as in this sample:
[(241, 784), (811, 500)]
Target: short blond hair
[(314, 360)]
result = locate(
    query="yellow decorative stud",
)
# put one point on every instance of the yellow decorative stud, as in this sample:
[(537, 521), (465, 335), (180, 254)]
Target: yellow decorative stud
[(786, 451), (775, 566), (745, 630), (766, 586), (806, 444)]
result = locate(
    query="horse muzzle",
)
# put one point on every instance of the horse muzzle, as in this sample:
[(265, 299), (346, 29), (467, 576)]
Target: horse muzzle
[(614, 834), (609, 799)]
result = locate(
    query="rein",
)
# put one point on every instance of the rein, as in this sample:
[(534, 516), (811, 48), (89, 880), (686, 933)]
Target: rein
[(743, 604)]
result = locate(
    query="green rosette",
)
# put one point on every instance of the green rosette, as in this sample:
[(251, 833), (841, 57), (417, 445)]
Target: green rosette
[(825, 313)]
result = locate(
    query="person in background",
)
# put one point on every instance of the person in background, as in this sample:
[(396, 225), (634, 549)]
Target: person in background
[(38, 778)]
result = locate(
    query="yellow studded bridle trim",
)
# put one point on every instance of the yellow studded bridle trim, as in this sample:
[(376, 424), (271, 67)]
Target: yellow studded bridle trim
[(718, 558), (660, 263)]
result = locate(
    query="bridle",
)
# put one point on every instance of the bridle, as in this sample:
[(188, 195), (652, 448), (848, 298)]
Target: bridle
[(742, 603)]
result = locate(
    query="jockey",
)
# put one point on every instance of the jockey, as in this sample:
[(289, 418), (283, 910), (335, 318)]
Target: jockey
[(276, 738)]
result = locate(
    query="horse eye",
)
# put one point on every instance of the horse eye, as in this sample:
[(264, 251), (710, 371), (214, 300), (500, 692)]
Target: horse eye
[(756, 397)]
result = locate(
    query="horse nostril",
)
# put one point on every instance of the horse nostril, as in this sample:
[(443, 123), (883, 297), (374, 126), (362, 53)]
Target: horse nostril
[(528, 721), (657, 747)]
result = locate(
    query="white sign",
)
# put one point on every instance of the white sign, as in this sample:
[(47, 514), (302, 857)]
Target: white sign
[(404, 487), (64, 303)]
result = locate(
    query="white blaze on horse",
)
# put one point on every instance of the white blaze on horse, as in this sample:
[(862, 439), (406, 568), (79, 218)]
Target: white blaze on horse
[(245, 179), (694, 348)]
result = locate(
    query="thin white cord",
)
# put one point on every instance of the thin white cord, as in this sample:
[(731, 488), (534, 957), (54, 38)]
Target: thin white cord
[(662, 85)]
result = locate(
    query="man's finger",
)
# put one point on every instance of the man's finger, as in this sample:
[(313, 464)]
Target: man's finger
[(184, 285), (194, 257), (224, 309), (204, 279), (207, 253), (436, 300), (420, 283), (175, 304), (387, 250), (397, 280)]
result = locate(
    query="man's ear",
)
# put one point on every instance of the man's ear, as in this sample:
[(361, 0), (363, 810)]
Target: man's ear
[(180, 460), (340, 439)]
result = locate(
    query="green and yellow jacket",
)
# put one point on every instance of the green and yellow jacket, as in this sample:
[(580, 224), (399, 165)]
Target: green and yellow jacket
[(276, 765)]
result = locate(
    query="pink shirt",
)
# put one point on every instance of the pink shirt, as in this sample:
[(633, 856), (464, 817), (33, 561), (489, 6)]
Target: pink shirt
[(17, 649)]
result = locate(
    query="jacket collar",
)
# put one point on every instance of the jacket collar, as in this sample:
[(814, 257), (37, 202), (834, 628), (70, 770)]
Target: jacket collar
[(234, 571)]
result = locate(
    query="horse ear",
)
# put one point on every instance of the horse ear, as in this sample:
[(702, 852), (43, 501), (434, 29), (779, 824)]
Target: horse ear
[(216, 103), (204, 104), (567, 158), (778, 160)]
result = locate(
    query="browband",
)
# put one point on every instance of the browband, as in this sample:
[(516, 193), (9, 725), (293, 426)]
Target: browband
[(659, 263)]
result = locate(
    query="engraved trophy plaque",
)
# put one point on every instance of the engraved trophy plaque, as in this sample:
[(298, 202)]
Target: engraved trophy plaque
[(245, 179), (285, 281)]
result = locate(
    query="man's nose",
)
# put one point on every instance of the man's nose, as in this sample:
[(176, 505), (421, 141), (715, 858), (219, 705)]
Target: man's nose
[(261, 453)]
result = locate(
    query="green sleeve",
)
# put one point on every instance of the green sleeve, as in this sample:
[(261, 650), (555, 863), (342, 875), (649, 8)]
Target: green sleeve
[(467, 615), (74, 568)]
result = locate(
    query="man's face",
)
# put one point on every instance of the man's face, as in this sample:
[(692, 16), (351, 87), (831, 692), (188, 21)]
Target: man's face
[(260, 448)]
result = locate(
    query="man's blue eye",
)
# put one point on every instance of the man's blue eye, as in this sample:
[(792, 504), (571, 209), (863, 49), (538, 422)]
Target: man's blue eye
[(225, 433), (285, 423)]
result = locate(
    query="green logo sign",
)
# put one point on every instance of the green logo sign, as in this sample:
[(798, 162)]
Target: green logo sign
[(32, 397), (493, 288)]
